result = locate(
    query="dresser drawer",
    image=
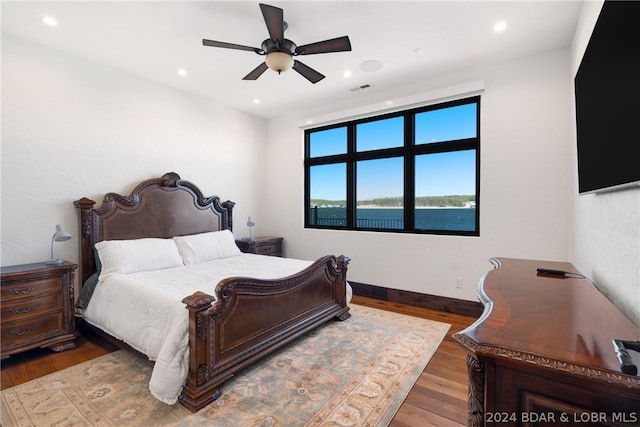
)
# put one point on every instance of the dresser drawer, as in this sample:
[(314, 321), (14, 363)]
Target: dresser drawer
[(31, 329), (29, 288), (25, 307)]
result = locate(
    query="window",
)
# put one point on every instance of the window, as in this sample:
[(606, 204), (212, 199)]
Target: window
[(414, 171)]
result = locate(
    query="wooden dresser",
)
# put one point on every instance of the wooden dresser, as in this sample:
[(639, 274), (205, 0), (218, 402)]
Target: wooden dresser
[(37, 307), (262, 246), (542, 352)]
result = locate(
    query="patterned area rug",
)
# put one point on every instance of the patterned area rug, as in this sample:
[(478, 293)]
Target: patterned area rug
[(352, 373)]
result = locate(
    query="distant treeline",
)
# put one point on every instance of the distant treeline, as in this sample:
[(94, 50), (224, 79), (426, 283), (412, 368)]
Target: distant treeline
[(395, 202)]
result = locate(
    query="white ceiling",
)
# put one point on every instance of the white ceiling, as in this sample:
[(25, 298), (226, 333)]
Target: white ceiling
[(414, 40)]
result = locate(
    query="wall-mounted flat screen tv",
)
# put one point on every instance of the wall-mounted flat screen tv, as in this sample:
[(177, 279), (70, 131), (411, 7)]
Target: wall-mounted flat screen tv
[(607, 93)]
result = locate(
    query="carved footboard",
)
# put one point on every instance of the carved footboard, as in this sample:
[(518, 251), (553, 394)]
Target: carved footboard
[(251, 318)]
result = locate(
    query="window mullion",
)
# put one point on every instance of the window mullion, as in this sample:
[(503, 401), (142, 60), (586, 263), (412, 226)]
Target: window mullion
[(409, 173), (351, 176)]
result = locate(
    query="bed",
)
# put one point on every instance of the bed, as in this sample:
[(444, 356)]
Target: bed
[(233, 318)]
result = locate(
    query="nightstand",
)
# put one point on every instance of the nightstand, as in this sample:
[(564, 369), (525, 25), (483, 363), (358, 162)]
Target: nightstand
[(262, 246), (37, 307)]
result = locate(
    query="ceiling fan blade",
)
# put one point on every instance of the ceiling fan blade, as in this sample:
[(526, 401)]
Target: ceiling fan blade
[(257, 72), (339, 44), (274, 18), (307, 72), (225, 45)]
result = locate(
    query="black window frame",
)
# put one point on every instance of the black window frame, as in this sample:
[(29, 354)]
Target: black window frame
[(408, 151)]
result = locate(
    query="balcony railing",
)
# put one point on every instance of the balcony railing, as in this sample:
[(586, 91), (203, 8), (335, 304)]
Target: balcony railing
[(377, 223)]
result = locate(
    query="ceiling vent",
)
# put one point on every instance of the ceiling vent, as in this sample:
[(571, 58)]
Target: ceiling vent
[(357, 88)]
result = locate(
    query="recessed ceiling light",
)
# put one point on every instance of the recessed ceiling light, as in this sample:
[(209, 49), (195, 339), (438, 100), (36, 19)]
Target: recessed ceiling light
[(182, 72), (256, 101), (347, 73), (500, 27), (50, 21), (371, 65)]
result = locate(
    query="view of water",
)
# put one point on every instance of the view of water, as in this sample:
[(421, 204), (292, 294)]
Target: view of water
[(458, 219)]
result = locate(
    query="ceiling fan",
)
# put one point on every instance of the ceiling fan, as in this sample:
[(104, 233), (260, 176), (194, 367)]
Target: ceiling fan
[(279, 52)]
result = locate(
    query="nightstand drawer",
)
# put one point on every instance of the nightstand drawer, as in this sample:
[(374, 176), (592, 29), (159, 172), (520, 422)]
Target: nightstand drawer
[(30, 329), (22, 289), (25, 307), (262, 246), (267, 249)]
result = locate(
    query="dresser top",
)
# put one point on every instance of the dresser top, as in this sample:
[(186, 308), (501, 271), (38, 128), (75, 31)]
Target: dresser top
[(550, 319)]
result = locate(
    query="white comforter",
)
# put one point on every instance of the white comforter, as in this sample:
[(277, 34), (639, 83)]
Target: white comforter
[(145, 310)]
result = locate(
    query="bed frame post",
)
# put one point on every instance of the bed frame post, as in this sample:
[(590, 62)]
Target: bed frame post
[(228, 205), (342, 262), (87, 260), (194, 397)]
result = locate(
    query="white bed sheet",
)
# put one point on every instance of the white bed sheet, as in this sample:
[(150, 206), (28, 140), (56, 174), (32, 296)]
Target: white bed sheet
[(145, 310)]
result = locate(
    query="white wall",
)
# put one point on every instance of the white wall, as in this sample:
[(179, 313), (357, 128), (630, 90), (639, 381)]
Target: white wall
[(73, 128), (606, 227), (526, 182)]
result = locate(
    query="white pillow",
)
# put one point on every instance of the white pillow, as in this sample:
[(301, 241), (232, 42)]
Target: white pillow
[(197, 248), (130, 256)]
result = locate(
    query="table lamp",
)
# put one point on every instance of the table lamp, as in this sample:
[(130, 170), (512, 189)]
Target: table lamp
[(250, 224), (59, 236)]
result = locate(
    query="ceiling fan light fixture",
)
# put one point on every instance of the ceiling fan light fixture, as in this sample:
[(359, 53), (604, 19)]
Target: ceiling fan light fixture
[(279, 61), (279, 52)]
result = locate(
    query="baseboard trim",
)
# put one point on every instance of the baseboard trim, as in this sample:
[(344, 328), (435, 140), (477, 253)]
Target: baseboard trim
[(416, 299)]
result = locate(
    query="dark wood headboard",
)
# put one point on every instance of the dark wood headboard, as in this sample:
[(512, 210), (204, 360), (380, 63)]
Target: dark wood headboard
[(159, 207)]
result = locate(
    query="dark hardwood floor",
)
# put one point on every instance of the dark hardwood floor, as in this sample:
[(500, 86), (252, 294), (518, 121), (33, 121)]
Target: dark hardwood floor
[(439, 397)]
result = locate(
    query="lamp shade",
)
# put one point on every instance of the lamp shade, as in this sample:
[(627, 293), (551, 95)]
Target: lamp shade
[(61, 234), (279, 61)]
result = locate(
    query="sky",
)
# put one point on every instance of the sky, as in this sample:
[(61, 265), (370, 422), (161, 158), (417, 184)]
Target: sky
[(436, 174)]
